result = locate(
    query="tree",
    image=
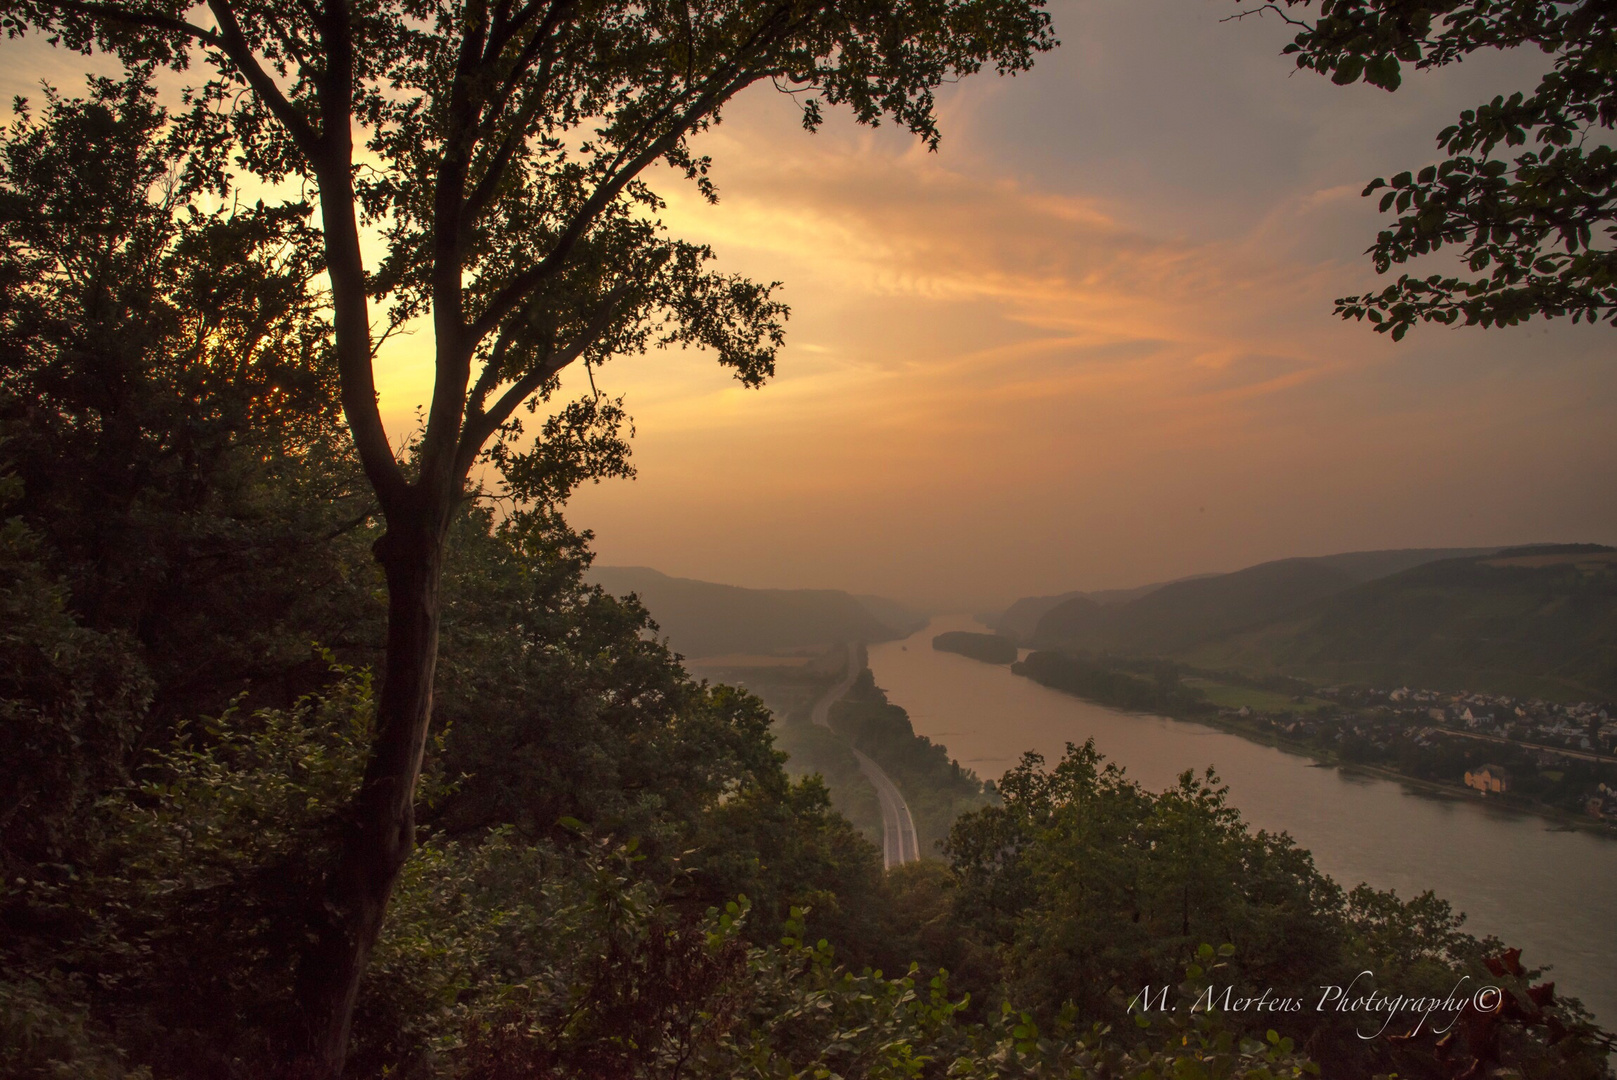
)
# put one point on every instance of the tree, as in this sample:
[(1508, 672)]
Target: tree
[(1088, 887), (167, 404), (1539, 231), (499, 149)]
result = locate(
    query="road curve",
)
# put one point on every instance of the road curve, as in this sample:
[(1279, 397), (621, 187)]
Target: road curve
[(899, 845)]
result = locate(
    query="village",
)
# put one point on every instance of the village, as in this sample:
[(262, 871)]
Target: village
[(1557, 755)]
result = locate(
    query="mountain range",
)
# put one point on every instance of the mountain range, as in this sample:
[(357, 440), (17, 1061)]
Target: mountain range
[(1537, 621)]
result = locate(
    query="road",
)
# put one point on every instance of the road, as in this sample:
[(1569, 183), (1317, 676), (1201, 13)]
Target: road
[(899, 845), (1585, 755)]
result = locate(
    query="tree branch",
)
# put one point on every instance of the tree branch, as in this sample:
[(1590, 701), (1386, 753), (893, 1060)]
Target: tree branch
[(152, 19), (233, 43), (477, 432), (489, 377), (507, 298), (332, 158)]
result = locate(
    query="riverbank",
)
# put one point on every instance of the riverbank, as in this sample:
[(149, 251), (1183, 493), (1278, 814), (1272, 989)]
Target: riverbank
[(1458, 792), (1515, 875), (1159, 688)]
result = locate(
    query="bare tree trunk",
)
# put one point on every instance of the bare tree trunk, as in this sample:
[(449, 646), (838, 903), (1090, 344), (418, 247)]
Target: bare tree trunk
[(379, 832)]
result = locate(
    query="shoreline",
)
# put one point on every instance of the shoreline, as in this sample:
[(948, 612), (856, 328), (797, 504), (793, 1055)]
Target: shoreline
[(1562, 819)]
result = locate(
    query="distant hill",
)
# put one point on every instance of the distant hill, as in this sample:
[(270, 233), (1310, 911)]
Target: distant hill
[(1020, 619), (1529, 622), (1175, 617), (900, 617), (701, 618), (1171, 618)]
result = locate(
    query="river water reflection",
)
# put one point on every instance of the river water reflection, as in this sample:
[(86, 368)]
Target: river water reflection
[(1554, 894)]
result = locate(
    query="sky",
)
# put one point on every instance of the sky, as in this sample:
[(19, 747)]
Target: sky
[(1089, 342)]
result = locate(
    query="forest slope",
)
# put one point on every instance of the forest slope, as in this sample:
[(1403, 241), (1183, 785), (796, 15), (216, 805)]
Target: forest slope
[(1172, 618), (701, 618), (1530, 622)]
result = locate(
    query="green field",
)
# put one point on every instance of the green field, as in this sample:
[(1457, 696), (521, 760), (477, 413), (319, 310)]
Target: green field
[(1226, 696)]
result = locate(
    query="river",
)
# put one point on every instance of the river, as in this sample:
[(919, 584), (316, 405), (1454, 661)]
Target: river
[(1553, 894)]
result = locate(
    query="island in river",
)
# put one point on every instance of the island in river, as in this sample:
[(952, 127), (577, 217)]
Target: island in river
[(989, 648)]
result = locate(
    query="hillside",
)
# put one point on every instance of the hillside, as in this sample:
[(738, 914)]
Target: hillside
[(1020, 619), (1172, 618), (1178, 616), (1531, 622), (903, 619), (703, 619)]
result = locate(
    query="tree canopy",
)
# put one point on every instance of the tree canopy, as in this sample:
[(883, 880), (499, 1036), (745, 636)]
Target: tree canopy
[(1527, 187)]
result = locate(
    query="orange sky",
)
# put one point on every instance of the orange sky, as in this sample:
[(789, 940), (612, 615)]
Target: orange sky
[(1089, 343)]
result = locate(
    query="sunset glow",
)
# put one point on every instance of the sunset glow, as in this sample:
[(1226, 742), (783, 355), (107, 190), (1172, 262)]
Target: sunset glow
[(1089, 342)]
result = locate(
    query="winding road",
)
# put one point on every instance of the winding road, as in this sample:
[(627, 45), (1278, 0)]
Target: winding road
[(899, 845)]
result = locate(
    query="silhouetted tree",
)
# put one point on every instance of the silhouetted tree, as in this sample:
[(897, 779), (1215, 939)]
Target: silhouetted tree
[(1537, 229), (499, 149)]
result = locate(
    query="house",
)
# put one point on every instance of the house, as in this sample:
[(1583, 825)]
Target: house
[(1488, 778)]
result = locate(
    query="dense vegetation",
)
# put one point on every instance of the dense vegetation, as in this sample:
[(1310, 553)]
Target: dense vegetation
[(989, 648), (1532, 224), (1080, 882), (484, 170)]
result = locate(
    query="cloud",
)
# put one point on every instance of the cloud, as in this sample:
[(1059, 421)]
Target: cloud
[(1002, 360), (998, 286)]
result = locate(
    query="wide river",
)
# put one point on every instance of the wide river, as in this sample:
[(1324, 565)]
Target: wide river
[(1553, 894)]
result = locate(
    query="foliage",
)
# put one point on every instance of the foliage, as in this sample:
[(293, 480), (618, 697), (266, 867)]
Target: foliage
[(166, 404), (183, 768), (1536, 229), (504, 148), (198, 868), (505, 956), (1082, 873), (70, 702)]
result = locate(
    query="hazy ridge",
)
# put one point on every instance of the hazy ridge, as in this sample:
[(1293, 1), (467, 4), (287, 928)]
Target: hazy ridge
[(1538, 621), (705, 619)]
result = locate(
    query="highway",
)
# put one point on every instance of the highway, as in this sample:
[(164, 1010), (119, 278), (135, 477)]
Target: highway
[(899, 845)]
